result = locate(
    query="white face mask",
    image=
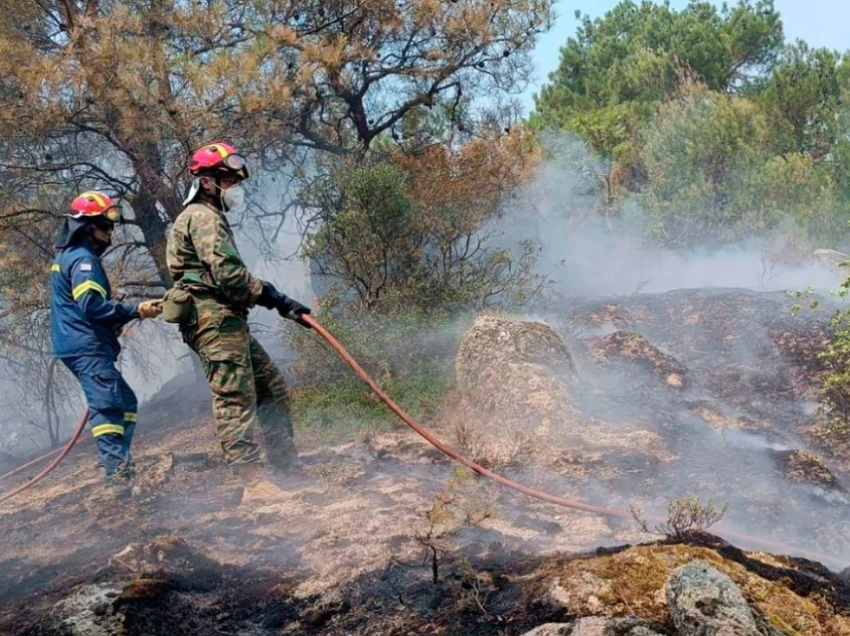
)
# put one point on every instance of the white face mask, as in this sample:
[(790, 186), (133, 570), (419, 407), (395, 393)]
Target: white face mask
[(234, 197)]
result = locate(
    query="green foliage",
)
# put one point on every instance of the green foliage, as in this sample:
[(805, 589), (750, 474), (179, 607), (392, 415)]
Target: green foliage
[(835, 388), (715, 124), (804, 98), (340, 411), (712, 174), (635, 55), (411, 355), (694, 151), (835, 391), (386, 345), (369, 239), (391, 254)]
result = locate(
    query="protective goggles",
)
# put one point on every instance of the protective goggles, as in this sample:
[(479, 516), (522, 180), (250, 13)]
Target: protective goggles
[(112, 214), (234, 162)]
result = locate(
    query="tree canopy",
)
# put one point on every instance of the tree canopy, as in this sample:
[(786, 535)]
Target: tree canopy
[(708, 117), (114, 94)]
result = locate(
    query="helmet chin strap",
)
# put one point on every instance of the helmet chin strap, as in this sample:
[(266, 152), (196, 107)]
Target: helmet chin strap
[(219, 194)]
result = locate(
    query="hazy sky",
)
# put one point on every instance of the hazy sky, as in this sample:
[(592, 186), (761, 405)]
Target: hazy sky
[(819, 22)]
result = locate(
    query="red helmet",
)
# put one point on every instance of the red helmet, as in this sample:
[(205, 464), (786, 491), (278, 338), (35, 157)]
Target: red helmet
[(92, 204), (218, 158)]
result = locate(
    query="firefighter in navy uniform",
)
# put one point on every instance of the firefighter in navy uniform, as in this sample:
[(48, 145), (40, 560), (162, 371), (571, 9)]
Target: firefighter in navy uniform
[(86, 323)]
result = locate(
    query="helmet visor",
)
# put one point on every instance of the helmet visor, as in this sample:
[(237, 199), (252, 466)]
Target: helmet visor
[(235, 162)]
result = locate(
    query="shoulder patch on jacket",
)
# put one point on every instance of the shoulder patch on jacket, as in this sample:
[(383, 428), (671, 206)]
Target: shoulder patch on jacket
[(85, 267)]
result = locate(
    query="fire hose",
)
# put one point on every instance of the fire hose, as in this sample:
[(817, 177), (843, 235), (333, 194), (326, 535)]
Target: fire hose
[(63, 452), (566, 502)]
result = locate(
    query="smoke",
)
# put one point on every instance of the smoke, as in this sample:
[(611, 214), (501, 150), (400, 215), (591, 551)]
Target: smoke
[(588, 249), (586, 253), (716, 309)]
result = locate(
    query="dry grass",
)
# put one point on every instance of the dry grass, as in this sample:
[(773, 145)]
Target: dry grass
[(632, 583), (493, 449)]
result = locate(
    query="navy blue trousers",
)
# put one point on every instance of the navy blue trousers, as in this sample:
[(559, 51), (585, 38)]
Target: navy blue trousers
[(112, 409)]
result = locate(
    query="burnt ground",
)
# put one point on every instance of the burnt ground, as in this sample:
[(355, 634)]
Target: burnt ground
[(719, 383), (343, 556), (729, 381)]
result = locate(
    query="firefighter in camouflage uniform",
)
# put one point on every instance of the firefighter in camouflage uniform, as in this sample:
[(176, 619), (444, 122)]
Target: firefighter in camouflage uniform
[(213, 291)]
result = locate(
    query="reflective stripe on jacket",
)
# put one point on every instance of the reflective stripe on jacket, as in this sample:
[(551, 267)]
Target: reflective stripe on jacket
[(84, 318)]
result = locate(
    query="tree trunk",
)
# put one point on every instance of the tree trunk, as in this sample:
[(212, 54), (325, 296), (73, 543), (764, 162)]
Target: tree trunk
[(154, 230)]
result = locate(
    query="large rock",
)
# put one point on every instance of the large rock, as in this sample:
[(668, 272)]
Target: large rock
[(493, 342), (515, 380), (515, 371), (705, 602), (90, 611), (831, 258), (595, 626)]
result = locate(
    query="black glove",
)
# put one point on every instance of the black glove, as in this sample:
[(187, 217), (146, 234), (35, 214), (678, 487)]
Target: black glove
[(287, 307), (268, 297)]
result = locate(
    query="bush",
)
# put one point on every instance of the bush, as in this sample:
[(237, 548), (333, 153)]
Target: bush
[(416, 232), (410, 355), (685, 516)]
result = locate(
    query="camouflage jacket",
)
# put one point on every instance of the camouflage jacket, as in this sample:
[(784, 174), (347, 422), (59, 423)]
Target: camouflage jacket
[(202, 258)]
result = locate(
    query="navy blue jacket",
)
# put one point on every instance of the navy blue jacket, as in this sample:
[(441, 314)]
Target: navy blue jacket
[(85, 320)]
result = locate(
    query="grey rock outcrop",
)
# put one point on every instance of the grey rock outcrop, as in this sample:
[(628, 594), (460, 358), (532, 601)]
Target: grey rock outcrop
[(595, 626), (706, 602)]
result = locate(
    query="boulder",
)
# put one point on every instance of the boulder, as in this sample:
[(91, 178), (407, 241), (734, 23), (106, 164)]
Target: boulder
[(705, 602), (595, 626), (90, 611), (515, 373), (514, 380), (493, 342), (831, 258)]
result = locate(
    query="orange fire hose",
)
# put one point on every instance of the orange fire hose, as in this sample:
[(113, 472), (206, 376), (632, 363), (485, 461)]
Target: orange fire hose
[(52, 465), (35, 461), (533, 492), (565, 502)]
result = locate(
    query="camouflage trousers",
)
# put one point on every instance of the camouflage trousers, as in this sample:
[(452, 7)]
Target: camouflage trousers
[(246, 385)]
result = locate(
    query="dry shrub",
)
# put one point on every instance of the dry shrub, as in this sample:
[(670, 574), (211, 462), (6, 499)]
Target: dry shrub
[(472, 590), (492, 449), (685, 517), (464, 503)]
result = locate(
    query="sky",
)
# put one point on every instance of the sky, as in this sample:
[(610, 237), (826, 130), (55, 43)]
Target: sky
[(821, 23)]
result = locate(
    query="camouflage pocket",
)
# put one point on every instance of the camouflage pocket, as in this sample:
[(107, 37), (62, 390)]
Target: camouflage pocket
[(231, 342)]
